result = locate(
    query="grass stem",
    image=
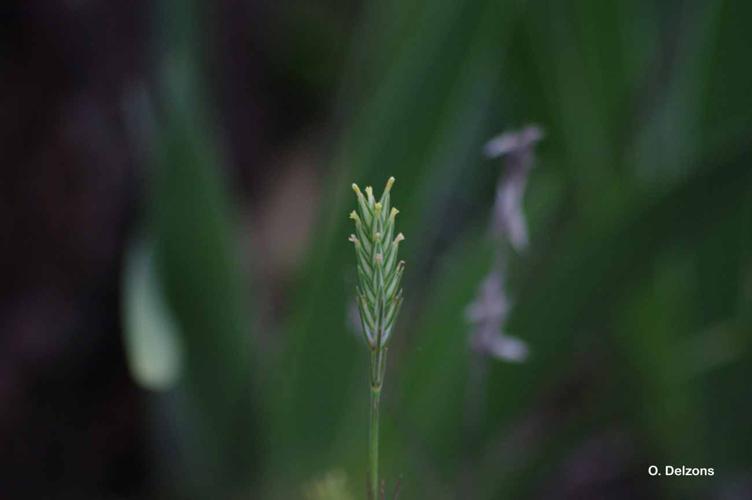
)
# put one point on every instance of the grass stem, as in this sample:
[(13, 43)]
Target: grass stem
[(373, 446)]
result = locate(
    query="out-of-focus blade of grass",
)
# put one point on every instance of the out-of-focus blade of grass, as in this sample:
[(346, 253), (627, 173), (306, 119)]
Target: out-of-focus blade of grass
[(197, 255), (423, 123), (152, 341), (671, 130), (558, 80), (727, 120), (191, 220)]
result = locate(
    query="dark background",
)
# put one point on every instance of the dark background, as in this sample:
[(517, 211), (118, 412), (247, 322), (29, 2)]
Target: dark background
[(176, 280)]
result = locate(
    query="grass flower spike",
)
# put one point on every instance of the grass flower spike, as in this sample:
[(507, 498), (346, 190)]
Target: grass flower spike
[(379, 294), (379, 271)]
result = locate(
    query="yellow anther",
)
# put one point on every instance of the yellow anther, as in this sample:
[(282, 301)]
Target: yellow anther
[(398, 238)]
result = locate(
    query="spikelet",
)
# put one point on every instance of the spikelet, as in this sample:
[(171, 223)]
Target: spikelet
[(379, 270)]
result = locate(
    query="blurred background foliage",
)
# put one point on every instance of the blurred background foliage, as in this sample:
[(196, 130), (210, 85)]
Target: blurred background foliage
[(178, 281)]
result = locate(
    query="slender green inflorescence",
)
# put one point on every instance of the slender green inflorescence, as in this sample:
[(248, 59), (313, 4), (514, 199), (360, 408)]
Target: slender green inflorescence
[(379, 296)]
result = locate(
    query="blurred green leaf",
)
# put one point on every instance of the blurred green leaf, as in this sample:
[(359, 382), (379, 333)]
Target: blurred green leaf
[(153, 346)]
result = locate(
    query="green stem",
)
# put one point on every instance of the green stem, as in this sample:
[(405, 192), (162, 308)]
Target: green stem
[(373, 447)]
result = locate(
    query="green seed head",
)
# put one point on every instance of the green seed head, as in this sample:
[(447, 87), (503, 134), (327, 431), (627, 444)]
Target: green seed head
[(379, 269)]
